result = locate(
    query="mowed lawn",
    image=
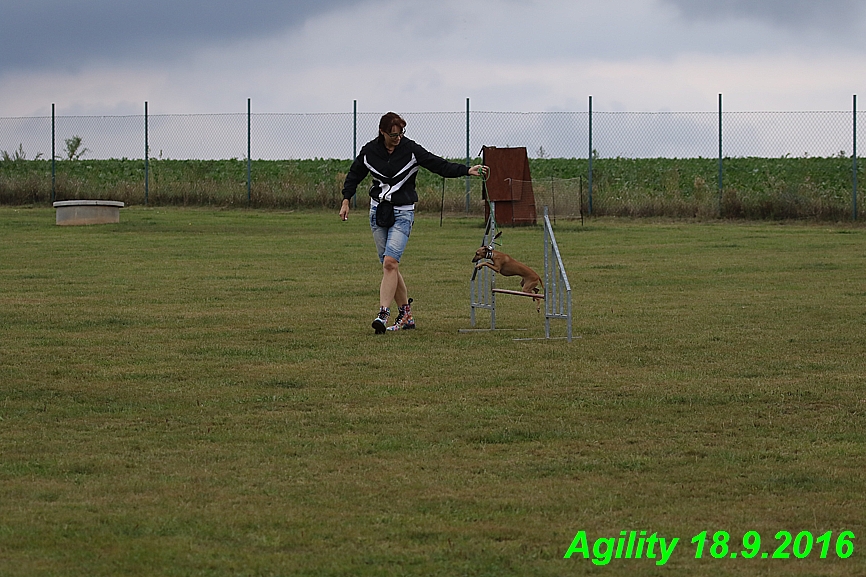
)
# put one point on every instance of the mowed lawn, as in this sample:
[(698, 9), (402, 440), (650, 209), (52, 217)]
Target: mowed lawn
[(199, 392)]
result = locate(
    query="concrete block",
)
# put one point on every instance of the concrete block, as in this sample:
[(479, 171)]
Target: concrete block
[(77, 212)]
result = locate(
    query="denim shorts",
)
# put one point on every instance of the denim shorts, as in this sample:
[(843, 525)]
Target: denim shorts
[(392, 241)]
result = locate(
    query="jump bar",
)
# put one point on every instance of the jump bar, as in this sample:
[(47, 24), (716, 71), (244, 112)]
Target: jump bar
[(518, 293)]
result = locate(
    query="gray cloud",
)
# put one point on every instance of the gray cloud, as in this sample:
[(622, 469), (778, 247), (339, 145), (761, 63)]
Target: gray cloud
[(801, 14), (107, 56), (57, 34)]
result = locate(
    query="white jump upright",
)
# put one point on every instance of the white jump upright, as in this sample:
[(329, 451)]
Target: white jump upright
[(481, 295), (557, 289)]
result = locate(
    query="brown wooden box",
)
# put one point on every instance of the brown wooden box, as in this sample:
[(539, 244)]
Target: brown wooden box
[(509, 185)]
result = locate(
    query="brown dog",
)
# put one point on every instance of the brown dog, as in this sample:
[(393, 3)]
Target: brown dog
[(508, 266)]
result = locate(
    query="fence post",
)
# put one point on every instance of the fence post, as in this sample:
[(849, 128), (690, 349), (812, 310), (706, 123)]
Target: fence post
[(854, 169), (53, 158), (354, 143), (468, 160), (249, 152), (721, 173), (146, 157), (589, 175)]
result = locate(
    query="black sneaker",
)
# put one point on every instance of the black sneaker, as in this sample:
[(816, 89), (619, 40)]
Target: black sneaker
[(380, 323)]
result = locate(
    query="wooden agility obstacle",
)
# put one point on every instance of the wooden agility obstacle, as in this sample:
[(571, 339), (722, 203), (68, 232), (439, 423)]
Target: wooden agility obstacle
[(508, 190)]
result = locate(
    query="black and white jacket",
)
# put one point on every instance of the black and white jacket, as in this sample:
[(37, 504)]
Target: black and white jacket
[(394, 173)]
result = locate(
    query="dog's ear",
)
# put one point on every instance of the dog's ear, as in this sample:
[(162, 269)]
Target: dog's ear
[(498, 234)]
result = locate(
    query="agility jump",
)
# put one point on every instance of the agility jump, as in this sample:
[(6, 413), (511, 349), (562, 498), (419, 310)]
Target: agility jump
[(557, 289)]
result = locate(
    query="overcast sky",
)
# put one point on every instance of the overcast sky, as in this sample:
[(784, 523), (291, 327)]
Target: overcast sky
[(106, 57)]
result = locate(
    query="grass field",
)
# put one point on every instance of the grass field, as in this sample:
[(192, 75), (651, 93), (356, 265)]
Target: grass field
[(198, 392)]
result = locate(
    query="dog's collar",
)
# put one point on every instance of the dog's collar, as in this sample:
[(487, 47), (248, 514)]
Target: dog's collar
[(489, 254)]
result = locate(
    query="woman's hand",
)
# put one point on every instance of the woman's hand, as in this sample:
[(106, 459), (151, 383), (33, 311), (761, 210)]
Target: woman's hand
[(344, 209), (478, 169)]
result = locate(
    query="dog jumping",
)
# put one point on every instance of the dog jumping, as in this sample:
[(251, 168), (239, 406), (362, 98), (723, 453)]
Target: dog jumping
[(507, 266)]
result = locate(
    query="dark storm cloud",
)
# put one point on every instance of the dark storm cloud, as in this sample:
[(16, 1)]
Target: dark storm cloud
[(59, 34), (827, 14)]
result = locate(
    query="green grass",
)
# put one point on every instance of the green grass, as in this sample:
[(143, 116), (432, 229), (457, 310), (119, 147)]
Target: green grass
[(754, 188), (198, 392), (315, 183)]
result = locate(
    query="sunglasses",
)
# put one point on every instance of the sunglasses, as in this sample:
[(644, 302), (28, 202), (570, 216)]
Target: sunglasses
[(396, 134)]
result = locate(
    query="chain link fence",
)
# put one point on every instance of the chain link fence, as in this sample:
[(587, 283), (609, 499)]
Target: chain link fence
[(697, 164)]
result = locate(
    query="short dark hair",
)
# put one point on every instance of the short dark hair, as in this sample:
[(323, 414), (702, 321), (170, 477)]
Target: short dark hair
[(391, 119)]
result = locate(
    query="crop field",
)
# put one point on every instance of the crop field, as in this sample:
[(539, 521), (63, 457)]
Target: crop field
[(754, 188), (198, 391)]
